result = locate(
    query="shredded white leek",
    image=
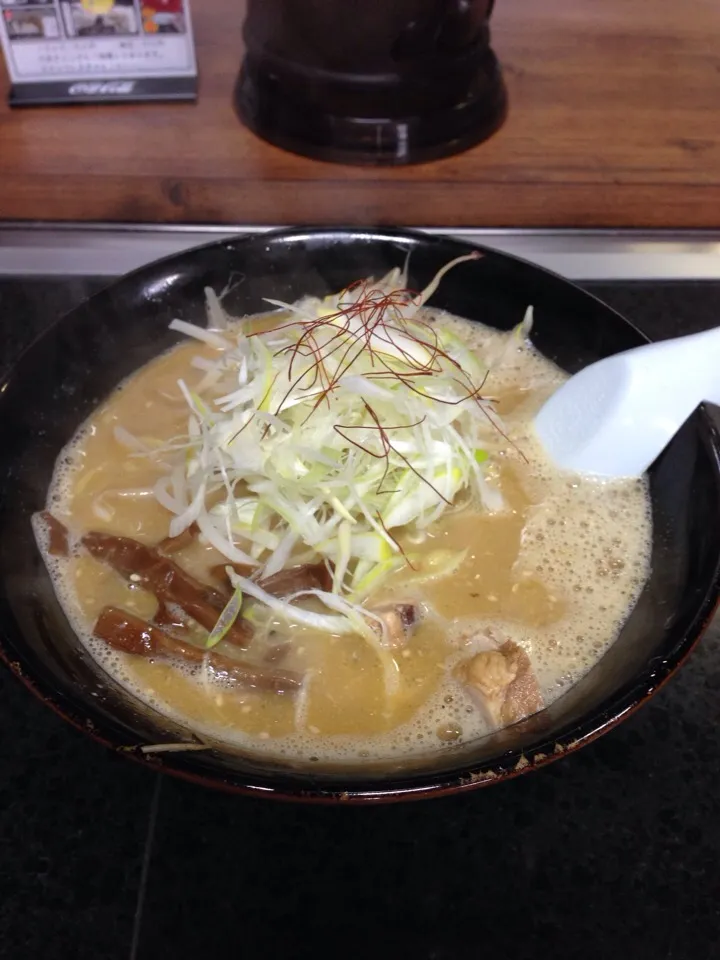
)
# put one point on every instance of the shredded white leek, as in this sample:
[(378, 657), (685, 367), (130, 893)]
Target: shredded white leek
[(353, 422)]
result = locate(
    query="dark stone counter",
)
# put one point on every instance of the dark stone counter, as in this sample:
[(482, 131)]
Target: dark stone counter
[(611, 852)]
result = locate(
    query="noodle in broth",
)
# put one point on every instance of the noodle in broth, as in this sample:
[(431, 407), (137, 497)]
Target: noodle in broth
[(524, 595)]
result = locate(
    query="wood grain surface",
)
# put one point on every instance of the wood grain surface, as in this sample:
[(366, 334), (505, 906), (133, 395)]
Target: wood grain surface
[(614, 121)]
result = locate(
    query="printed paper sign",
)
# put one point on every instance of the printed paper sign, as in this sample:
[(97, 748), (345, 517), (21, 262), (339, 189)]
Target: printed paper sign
[(60, 51)]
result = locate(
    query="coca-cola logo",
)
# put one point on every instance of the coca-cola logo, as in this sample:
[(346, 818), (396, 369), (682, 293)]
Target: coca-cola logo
[(101, 88)]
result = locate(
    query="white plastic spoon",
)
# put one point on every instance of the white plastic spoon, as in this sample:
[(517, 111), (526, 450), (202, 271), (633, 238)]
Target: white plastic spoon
[(613, 418)]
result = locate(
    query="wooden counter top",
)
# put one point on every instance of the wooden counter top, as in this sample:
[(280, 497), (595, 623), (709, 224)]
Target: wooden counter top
[(614, 121)]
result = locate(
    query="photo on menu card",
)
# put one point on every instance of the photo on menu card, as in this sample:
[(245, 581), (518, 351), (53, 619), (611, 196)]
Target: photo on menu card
[(107, 19), (31, 24), (163, 16)]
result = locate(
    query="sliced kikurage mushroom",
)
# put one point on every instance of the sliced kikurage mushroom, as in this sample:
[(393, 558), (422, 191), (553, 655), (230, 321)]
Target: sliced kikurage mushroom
[(169, 582), (171, 545), (129, 633), (58, 534), (304, 576)]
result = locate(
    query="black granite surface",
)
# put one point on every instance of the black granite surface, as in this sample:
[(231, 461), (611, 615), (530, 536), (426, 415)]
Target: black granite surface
[(612, 852)]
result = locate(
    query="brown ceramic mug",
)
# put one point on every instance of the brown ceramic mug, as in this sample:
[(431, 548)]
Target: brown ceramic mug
[(370, 81)]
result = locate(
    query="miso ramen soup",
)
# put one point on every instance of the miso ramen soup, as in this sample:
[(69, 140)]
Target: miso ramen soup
[(327, 532)]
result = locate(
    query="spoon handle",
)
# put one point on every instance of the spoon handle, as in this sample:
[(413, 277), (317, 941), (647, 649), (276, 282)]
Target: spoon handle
[(614, 417), (695, 360)]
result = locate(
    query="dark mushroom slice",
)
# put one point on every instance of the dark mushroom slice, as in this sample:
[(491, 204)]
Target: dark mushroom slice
[(504, 683), (58, 534), (277, 653), (124, 631), (305, 576), (219, 572), (168, 618), (169, 582), (185, 539)]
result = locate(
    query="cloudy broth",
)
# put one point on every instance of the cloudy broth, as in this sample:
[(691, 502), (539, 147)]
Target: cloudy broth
[(556, 571)]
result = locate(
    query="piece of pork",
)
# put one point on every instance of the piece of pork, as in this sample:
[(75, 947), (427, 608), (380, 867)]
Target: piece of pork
[(504, 683), (399, 620)]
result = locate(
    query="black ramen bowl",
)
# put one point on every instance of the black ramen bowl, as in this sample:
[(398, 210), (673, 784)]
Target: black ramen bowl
[(59, 381)]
